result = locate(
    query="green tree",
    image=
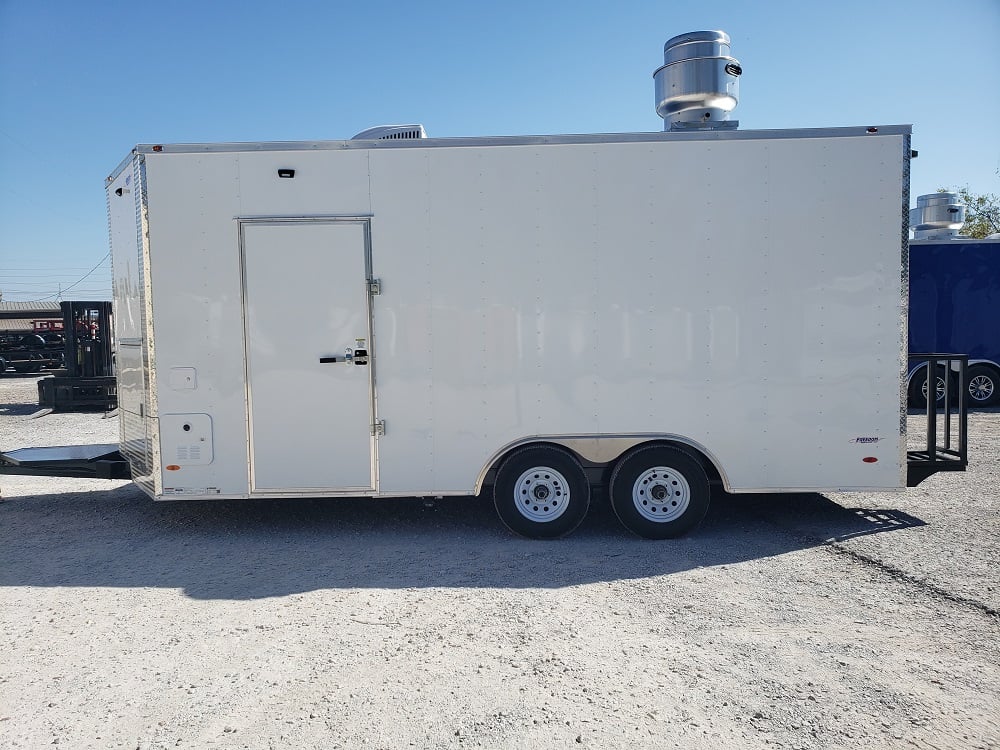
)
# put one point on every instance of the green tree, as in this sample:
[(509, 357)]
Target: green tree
[(982, 212)]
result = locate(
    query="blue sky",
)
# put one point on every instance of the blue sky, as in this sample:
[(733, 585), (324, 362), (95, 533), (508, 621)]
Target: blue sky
[(83, 82)]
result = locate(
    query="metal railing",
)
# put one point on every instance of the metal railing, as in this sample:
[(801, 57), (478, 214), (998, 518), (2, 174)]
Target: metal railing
[(946, 398)]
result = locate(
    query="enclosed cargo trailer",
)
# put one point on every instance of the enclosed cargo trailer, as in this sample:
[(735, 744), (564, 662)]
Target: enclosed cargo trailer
[(397, 315), (467, 298)]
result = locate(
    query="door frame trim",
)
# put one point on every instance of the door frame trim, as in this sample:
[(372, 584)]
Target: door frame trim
[(364, 221)]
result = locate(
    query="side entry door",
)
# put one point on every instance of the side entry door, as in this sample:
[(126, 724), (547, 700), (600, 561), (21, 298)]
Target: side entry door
[(307, 312)]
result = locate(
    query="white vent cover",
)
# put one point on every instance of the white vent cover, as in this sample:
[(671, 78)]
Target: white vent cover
[(391, 132)]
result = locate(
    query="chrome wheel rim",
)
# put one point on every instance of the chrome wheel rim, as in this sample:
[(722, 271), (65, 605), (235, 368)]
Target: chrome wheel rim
[(661, 494), (938, 387), (541, 494), (981, 387)]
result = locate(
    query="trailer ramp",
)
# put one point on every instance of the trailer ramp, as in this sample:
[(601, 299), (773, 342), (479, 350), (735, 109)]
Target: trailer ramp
[(88, 461)]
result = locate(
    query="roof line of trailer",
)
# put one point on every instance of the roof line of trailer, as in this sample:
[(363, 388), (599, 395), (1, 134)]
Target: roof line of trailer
[(527, 140), (514, 140)]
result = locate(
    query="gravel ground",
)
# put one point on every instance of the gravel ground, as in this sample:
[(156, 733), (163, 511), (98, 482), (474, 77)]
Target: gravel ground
[(803, 621)]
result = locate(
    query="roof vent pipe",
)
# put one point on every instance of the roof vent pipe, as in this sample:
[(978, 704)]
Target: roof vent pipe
[(937, 216), (698, 85)]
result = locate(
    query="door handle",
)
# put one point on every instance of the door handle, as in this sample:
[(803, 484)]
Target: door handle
[(332, 360), (357, 356)]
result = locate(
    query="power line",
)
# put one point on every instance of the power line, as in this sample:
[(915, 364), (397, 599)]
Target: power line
[(75, 283)]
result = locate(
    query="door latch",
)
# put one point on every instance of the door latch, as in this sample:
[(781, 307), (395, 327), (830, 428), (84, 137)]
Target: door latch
[(357, 356), (348, 358)]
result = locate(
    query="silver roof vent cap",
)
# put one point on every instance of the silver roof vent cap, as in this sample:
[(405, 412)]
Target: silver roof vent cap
[(698, 84), (937, 216)]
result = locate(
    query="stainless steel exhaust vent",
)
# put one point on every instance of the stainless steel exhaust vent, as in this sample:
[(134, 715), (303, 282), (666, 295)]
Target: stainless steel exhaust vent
[(937, 216), (698, 85)]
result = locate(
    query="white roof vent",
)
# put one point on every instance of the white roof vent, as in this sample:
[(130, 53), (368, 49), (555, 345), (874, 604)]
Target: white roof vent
[(391, 132)]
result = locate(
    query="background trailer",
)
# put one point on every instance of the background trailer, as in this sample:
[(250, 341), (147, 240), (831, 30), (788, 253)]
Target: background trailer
[(954, 299)]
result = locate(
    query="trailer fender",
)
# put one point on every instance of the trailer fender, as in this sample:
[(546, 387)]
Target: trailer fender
[(605, 450)]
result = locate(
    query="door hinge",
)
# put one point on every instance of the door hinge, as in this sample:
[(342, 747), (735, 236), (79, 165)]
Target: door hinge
[(379, 427), (375, 286)]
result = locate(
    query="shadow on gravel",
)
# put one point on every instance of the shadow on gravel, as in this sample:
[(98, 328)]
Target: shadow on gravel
[(255, 549), (18, 410)]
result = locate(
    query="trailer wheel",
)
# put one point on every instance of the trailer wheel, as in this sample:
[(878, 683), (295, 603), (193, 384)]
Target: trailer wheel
[(983, 386), (918, 387), (659, 492), (541, 492)]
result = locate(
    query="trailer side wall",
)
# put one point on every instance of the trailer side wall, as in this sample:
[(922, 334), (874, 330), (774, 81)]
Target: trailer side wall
[(705, 288), (133, 322)]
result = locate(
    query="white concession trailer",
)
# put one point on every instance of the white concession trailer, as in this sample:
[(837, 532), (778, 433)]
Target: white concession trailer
[(397, 315)]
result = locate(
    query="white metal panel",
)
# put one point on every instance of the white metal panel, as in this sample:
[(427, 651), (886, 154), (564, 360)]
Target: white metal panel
[(708, 289), (195, 202), (326, 183), (124, 197), (123, 225), (186, 440), (306, 299), (194, 269)]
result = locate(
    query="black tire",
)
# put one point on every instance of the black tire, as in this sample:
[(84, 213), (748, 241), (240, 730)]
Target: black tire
[(983, 386), (918, 387), (32, 341), (659, 492), (541, 492)]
